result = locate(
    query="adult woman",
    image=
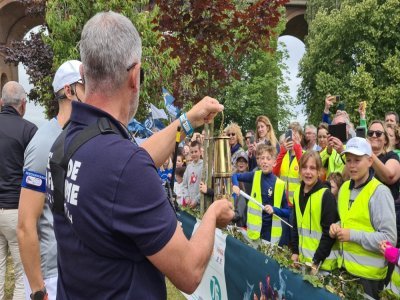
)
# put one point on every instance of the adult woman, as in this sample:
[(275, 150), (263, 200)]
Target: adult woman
[(235, 135), (265, 132), (385, 163), (394, 138)]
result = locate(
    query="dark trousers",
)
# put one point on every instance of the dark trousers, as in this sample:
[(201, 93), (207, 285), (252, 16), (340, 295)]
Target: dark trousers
[(372, 287)]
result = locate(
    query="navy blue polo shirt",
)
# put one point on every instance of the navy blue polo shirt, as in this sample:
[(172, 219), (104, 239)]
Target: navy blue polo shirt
[(116, 214)]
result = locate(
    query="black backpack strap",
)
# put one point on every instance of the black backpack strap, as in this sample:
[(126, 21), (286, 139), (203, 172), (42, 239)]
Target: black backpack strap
[(59, 160)]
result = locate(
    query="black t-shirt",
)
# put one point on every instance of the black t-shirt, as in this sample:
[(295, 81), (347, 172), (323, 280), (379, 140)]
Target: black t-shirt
[(394, 188)]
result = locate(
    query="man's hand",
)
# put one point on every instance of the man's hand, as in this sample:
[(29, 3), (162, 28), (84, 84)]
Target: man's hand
[(343, 235), (204, 111), (336, 144), (224, 213), (333, 230), (269, 209)]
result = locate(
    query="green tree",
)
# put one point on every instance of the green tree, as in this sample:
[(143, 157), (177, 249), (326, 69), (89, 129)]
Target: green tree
[(354, 52)]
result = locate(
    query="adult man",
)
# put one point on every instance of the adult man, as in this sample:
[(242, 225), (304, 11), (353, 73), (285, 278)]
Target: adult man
[(391, 117), (35, 220), (15, 135), (311, 138), (118, 234)]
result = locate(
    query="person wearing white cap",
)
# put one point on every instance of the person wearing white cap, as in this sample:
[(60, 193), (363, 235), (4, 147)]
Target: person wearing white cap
[(37, 243), (367, 216)]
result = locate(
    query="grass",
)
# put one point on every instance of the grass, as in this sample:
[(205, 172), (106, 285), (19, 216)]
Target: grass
[(172, 292)]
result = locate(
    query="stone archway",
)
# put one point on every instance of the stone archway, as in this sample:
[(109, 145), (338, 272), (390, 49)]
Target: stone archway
[(3, 80), (296, 24), (14, 24)]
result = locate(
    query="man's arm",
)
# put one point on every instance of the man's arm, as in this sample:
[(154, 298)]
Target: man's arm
[(161, 144), (30, 208), (184, 261)]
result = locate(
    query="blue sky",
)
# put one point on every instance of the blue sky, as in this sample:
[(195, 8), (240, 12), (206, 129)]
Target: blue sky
[(295, 49)]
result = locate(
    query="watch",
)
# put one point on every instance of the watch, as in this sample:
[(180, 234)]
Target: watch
[(39, 295)]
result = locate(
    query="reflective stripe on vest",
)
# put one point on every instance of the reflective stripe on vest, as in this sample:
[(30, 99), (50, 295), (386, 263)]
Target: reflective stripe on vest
[(357, 260), (254, 212), (310, 230), (290, 175), (394, 284)]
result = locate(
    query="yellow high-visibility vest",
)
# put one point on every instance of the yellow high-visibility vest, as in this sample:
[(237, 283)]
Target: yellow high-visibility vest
[(254, 212), (310, 230), (290, 175), (394, 284), (356, 259)]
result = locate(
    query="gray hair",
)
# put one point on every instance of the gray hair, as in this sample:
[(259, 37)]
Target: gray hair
[(13, 93), (109, 45), (312, 127)]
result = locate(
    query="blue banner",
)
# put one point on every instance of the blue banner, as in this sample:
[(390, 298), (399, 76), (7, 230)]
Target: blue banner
[(237, 271)]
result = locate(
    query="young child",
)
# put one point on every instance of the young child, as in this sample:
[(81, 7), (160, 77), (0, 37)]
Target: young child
[(268, 190), (367, 217), (335, 180), (192, 176), (178, 186), (180, 161), (392, 255), (165, 171), (314, 210)]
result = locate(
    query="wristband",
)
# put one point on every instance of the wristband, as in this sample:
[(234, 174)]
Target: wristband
[(187, 127)]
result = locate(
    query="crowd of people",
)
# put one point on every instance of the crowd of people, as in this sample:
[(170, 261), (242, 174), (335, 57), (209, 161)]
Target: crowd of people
[(85, 215), (339, 195)]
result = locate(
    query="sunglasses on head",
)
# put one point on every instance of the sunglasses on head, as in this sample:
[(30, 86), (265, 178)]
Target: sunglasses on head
[(377, 133)]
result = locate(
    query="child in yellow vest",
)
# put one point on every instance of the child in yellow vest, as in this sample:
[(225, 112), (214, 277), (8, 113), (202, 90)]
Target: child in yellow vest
[(268, 190), (367, 217), (314, 210)]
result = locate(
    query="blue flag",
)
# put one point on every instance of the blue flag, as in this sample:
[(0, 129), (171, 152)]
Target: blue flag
[(173, 111), (139, 129), (168, 98)]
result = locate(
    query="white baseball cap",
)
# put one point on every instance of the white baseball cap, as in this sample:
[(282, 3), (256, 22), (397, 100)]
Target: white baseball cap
[(67, 73), (358, 146)]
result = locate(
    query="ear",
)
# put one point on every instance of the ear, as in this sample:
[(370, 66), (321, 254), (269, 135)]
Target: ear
[(69, 94), (81, 71), (134, 78)]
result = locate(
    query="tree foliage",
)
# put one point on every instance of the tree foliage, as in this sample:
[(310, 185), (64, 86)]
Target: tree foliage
[(226, 49), (211, 37), (354, 52)]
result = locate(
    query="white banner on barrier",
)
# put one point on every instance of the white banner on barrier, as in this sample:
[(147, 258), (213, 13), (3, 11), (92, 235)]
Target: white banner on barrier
[(213, 284)]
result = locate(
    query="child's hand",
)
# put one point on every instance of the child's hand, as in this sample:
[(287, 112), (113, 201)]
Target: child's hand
[(269, 209), (236, 190), (333, 230), (391, 253), (203, 187)]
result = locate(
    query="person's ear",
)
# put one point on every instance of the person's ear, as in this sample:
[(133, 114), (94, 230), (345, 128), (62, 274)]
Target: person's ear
[(134, 77), (81, 71)]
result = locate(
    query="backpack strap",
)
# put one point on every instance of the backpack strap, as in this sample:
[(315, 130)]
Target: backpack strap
[(61, 156)]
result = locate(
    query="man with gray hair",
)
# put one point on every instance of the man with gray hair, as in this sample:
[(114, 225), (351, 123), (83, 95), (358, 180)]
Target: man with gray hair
[(116, 230), (15, 135), (310, 138)]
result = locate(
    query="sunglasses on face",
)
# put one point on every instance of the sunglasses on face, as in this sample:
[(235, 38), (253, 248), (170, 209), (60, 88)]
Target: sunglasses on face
[(377, 133), (230, 134)]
